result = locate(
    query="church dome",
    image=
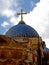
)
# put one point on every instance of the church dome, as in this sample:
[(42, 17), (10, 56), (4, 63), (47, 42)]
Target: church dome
[(21, 30)]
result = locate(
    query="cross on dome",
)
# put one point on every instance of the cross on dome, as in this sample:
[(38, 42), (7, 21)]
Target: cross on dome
[(21, 14)]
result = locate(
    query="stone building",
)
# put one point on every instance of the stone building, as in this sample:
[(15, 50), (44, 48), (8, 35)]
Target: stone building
[(21, 45)]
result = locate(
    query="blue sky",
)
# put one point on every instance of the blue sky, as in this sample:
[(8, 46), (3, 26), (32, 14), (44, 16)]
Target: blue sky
[(37, 15)]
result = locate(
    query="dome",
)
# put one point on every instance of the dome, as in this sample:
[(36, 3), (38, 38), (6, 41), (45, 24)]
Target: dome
[(21, 30)]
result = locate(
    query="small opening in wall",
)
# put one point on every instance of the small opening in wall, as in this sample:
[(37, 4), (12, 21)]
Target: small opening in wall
[(20, 64)]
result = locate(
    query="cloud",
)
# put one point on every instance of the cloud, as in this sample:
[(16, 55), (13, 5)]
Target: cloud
[(4, 24), (7, 7), (47, 42), (8, 13), (4, 4), (14, 20)]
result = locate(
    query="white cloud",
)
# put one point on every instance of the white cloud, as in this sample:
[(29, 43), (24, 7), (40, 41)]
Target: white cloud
[(14, 20), (4, 4), (47, 42), (8, 13), (4, 24)]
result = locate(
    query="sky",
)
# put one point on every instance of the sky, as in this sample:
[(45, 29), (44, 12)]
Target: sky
[(37, 16)]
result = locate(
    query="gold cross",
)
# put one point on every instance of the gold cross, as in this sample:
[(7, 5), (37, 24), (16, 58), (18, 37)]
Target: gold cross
[(21, 14)]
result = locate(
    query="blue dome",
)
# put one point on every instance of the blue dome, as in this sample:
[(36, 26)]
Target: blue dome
[(21, 30)]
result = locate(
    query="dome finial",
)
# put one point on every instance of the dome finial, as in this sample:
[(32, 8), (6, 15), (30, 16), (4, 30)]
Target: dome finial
[(21, 14)]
